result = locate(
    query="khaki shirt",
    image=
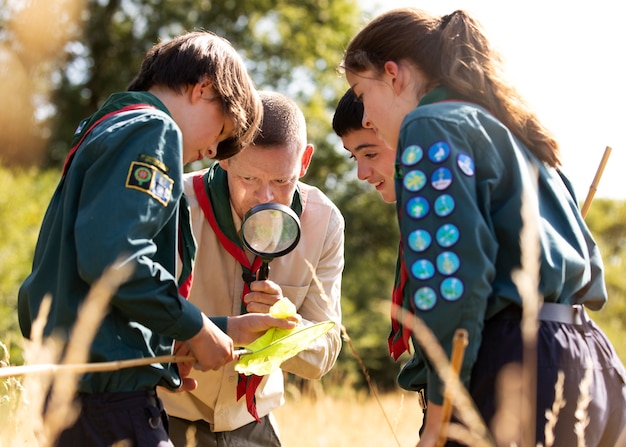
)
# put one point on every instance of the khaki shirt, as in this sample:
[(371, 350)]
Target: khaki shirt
[(217, 288)]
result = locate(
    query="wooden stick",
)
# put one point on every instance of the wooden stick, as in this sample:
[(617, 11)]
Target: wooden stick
[(594, 185), (456, 359), (81, 368)]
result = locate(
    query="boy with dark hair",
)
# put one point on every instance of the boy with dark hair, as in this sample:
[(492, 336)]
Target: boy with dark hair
[(374, 159), (120, 202)]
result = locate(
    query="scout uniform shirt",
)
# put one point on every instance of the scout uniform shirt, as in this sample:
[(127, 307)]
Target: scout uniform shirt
[(118, 202), (460, 180), (217, 289)]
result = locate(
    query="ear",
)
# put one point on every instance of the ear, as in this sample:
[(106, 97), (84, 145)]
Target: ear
[(395, 75), (202, 90), (306, 159), (224, 164)]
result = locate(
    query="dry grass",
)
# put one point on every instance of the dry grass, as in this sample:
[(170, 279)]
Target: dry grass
[(22, 401), (319, 419), (353, 420)]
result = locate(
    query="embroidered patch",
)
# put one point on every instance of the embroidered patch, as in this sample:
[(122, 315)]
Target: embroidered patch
[(466, 164), (419, 240), (451, 289), (441, 179), (438, 152), (444, 205), (448, 263), (414, 180), (412, 155), (417, 207), (423, 269), (447, 235), (424, 298), (147, 178)]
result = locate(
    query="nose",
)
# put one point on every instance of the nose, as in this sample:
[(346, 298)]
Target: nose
[(264, 194), (211, 151), (363, 172), (366, 122)]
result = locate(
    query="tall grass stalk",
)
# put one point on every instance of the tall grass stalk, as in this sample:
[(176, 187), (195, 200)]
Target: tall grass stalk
[(526, 279), (467, 413), (55, 392)]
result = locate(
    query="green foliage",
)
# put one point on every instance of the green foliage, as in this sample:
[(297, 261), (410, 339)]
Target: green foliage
[(289, 46), (370, 251), (22, 207), (607, 221)]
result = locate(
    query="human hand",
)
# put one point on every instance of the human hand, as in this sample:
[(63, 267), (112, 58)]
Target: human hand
[(211, 347), (184, 368), (431, 426), (244, 329), (262, 295)]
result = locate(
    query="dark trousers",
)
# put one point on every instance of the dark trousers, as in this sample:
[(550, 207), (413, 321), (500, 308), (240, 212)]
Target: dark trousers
[(254, 434), (127, 418), (594, 380)]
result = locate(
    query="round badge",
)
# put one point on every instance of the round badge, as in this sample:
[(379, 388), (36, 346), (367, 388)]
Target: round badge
[(424, 298), (447, 235), (423, 269), (414, 180), (412, 155), (444, 205), (142, 175), (465, 164), (451, 289), (441, 178), (419, 240), (438, 152), (417, 207), (448, 262)]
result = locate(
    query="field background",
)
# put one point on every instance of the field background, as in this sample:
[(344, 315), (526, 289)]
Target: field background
[(355, 420)]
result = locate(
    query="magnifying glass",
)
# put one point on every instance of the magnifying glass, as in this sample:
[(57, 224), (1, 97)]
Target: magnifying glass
[(270, 230)]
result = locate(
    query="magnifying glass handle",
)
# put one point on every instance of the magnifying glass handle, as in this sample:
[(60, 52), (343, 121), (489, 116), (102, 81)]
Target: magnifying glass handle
[(264, 271)]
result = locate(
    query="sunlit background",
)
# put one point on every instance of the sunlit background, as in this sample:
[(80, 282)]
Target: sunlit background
[(567, 60)]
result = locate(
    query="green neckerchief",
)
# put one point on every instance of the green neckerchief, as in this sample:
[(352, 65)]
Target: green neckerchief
[(216, 187)]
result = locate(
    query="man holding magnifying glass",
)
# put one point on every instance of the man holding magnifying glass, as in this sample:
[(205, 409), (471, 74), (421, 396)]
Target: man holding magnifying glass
[(225, 276)]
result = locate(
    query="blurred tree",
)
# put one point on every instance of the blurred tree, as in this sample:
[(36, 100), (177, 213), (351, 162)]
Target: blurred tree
[(21, 213), (291, 46), (371, 248), (607, 220), (33, 35)]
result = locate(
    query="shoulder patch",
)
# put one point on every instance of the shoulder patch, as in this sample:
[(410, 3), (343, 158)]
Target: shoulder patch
[(147, 178)]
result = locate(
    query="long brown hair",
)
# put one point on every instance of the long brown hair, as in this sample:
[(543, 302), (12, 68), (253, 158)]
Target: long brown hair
[(452, 51)]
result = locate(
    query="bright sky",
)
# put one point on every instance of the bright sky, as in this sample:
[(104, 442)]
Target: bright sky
[(567, 59)]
